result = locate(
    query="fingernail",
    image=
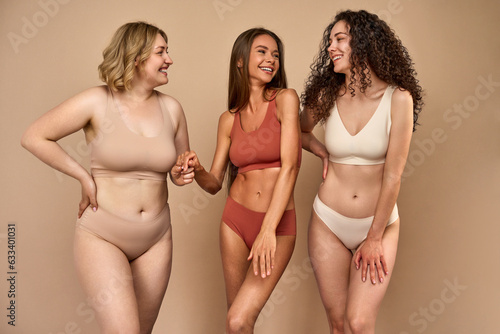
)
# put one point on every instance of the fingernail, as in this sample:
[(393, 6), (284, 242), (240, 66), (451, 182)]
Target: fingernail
[(373, 281), (263, 275), (381, 280), (364, 279), (94, 209)]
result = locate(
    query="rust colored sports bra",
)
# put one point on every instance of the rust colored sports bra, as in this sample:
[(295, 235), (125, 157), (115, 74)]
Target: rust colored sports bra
[(260, 148), (117, 151)]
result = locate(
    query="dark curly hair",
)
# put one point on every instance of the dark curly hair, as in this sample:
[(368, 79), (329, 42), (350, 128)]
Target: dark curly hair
[(374, 47)]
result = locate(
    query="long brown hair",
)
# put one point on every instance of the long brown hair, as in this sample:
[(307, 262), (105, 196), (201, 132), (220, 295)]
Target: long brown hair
[(239, 83)]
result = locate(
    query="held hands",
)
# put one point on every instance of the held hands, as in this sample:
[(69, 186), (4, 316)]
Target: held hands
[(183, 171), (89, 196), (262, 253), (190, 160), (371, 253)]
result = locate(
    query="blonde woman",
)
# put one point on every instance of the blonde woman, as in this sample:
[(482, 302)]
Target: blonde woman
[(123, 236)]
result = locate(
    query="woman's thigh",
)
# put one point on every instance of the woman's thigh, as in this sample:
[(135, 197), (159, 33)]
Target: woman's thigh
[(331, 262), (255, 290), (151, 273), (105, 275), (365, 298)]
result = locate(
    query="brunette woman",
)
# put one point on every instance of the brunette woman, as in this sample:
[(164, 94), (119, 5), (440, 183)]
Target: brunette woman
[(259, 137), (363, 89)]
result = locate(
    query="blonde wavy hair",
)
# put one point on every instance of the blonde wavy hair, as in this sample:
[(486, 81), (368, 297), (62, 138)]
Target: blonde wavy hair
[(132, 41)]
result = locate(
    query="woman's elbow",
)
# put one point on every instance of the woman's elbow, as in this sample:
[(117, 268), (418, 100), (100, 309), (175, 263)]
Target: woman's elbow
[(27, 140), (291, 169), (24, 142), (213, 190), (392, 178)]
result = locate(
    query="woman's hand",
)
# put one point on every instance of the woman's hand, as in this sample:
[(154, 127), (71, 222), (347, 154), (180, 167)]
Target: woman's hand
[(371, 253), (325, 166), (182, 172), (262, 253), (190, 160), (89, 195)]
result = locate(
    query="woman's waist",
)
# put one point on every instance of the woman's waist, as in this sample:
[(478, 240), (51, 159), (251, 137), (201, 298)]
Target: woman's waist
[(99, 172), (139, 198), (355, 176), (260, 181), (255, 189), (128, 215), (349, 196)]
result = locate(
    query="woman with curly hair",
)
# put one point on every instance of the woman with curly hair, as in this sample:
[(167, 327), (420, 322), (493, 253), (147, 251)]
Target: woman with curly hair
[(123, 235), (363, 89), (260, 135)]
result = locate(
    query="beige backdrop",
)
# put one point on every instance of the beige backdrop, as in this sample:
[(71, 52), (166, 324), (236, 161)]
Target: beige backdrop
[(446, 275)]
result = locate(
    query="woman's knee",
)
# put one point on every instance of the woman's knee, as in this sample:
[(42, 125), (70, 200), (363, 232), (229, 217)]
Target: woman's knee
[(120, 327), (358, 324), (336, 322), (147, 329), (238, 323)]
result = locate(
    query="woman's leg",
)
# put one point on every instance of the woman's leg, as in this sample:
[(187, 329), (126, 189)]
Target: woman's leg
[(364, 298), (331, 261), (246, 293), (151, 273), (234, 254), (105, 275)]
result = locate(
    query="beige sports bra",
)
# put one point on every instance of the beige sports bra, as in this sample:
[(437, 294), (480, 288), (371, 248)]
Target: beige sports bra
[(368, 146), (117, 151)]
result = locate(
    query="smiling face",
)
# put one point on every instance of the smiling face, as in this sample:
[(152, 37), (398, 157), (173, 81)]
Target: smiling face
[(340, 49), (154, 69), (263, 60)]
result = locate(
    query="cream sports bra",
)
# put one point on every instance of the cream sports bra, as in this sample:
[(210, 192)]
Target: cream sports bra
[(368, 146)]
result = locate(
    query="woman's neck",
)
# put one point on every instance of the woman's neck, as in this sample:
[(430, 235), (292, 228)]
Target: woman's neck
[(375, 85), (256, 97), (137, 93)]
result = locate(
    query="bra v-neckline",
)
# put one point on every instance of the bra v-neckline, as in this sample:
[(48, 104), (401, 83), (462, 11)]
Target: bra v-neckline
[(369, 120), (119, 114), (263, 120)]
